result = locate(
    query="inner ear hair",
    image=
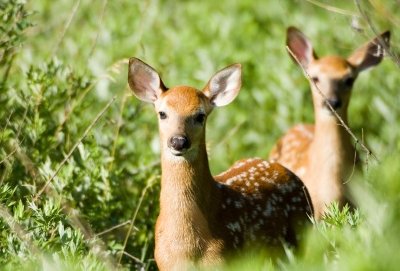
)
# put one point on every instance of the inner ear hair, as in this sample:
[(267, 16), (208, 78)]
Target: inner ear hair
[(371, 53), (144, 81), (300, 47), (224, 86)]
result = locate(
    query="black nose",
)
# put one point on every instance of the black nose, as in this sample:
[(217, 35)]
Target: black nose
[(335, 103), (179, 142)]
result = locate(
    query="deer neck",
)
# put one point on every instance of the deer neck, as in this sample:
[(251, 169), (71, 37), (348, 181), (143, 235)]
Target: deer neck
[(186, 201), (183, 230), (186, 182), (330, 156)]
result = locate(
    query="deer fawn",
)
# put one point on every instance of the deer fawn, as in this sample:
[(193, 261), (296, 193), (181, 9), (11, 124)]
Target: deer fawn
[(203, 218), (322, 155)]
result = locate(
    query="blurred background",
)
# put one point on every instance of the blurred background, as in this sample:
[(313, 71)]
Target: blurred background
[(79, 155)]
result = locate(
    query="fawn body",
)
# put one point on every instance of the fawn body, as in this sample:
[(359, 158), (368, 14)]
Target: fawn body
[(322, 155), (202, 218)]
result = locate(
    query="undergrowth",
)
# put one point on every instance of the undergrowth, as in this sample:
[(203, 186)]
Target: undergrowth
[(79, 156)]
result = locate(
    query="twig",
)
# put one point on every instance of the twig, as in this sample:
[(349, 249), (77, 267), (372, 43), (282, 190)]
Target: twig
[(354, 165), (75, 146), (8, 122), (66, 26), (18, 230), (103, 11), (367, 158), (149, 184), (77, 222), (96, 244), (8, 69), (395, 58), (68, 112), (8, 155), (17, 146), (381, 9), (333, 9), (142, 22), (342, 123), (117, 129), (113, 228), (113, 68), (133, 257)]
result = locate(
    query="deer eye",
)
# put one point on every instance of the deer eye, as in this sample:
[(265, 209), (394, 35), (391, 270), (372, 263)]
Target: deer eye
[(162, 115), (199, 118), (349, 82), (315, 79)]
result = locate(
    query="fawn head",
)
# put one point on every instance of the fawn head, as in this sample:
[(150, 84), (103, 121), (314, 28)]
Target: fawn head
[(333, 75), (183, 110)]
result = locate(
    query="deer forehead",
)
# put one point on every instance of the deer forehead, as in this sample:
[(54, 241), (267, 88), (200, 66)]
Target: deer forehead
[(184, 100), (332, 66)]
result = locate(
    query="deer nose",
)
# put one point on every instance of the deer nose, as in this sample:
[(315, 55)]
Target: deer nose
[(335, 103), (179, 142)]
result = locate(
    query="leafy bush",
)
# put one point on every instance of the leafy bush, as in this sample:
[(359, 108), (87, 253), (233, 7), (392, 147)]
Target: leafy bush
[(79, 157)]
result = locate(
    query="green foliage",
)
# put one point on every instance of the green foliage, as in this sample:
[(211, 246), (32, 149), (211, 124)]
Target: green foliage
[(14, 21), (336, 217), (61, 62)]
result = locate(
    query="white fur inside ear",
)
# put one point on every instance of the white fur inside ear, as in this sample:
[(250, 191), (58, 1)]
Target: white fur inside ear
[(225, 85), (300, 47), (144, 81)]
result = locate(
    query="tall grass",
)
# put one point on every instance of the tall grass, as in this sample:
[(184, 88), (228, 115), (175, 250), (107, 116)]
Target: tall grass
[(62, 63)]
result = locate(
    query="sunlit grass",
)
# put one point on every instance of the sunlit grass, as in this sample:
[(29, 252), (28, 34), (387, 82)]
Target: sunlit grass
[(61, 62)]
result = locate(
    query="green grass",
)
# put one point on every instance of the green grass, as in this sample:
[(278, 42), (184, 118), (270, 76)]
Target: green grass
[(61, 62)]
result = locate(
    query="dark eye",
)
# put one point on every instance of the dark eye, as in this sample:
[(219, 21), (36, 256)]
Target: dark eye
[(349, 82), (315, 79), (200, 118), (162, 115)]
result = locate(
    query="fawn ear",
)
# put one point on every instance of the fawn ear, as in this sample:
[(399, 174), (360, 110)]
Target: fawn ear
[(300, 46), (224, 86), (371, 53), (144, 81)]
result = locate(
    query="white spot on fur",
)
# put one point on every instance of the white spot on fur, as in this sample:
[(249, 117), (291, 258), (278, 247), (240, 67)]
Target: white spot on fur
[(301, 171), (238, 204), (239, 165), (234, 227)]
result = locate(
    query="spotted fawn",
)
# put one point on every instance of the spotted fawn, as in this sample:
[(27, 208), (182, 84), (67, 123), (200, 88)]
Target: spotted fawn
[(322, 154), (204, 219)]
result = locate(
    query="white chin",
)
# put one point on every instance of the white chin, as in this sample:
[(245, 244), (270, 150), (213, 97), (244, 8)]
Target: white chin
[(328, 111), (178, 153), (189, 154)]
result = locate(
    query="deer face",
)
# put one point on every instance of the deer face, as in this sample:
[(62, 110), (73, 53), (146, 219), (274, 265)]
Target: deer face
[(334, 76), (182, 111)]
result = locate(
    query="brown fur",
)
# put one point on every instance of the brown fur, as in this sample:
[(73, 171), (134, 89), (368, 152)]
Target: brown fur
[(336, 66), (291, 149), (322, 155), (323, 160), (184, 100), (203, 220)]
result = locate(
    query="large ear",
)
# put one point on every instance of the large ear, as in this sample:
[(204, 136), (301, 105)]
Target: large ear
[(144, 81), (371, 53), (224, 86), (300, 46)]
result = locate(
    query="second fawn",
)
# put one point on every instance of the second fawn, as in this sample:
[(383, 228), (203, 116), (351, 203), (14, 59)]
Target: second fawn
[(322, 155), (202, 218)]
